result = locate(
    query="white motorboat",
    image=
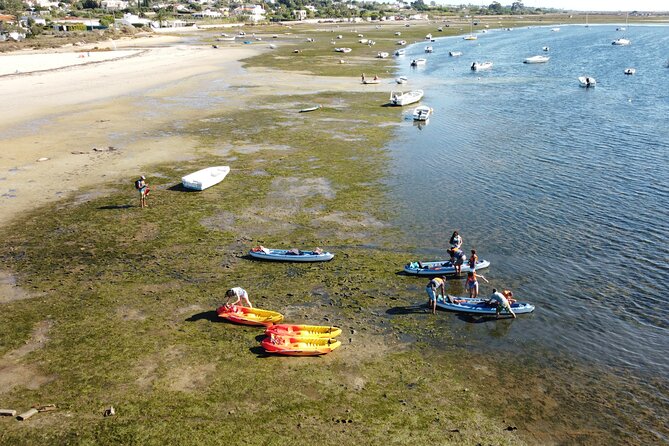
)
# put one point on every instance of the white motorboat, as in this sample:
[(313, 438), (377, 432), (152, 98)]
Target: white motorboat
[(546, 48), (400, 52), (555, 30), (536, 59), (429, 49), (479, 66), (455, 53), (422, 113), (402, 80), (343, 50), (382, 55), (428, 37), (418, 62), (363, 41), (205, 178), (587, 82), (401, 98), (397, 33), (401, 42), (621, 28), (621, 42), (630, 71)]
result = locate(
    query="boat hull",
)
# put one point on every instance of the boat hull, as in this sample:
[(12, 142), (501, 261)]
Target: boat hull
[(291, 346), (473, 307), (281, 255), (249, 316), (304, 331), (205, 178), (439, 268)]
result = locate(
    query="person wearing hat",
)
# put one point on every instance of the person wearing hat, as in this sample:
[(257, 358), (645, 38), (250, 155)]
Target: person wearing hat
[(143, 189)]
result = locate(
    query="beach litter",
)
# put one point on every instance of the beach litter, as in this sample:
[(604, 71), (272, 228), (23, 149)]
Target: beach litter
[(7, 413), (35, 410)]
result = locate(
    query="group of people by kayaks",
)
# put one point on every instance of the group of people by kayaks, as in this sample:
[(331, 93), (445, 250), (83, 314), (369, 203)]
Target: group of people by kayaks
[(436, 287)]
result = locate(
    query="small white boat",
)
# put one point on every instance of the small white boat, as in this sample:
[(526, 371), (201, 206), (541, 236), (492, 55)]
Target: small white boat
[(410, 97), (418, 62), (470, 37), (621, 42), (310, 109), (343, 50), (397, 33), (429, 49), (340, 36), (382, 55), (621, 28), (272, 46), (630, 71), (555, 30), (537, 59), (363, 41), (402, 80), (422, 113), (290, 255), (479, 66), (202, 179), (226, 39), (455, 53), (400, 52), (428, 37), (546, 48), (587, 82), (401, 42)]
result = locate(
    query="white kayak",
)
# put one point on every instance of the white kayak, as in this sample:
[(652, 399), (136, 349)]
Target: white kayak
[(479, 306), (290, 255), (205, 178), (440, 267)]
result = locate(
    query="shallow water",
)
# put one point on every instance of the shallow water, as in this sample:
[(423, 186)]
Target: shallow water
[(564, 189)]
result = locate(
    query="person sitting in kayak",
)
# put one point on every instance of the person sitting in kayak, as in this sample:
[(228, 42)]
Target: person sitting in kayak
[(240, 294), (500, 302), (472, 284), (435, 287)]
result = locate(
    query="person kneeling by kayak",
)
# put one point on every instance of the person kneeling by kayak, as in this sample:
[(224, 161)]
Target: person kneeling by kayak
[(500, 302), (435, 287)]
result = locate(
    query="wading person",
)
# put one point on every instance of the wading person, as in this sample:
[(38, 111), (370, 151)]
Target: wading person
[(473, 260), (472, 284)]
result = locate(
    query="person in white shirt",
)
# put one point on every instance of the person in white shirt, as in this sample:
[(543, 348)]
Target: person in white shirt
[(240, 294), (501, 302)]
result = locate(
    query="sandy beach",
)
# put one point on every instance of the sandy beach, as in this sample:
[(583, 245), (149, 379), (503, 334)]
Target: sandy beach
[(75, 118)]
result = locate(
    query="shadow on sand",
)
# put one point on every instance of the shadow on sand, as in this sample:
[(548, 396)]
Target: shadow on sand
[(210, 316), (409, 309)]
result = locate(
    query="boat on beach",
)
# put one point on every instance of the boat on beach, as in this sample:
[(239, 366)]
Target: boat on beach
[(587, 81), (248, 316), (205, 178), (343, 50), (480, 66), (310, 109), (536, 59), (291, 346), (382, 55), (290, 255), (439, 267), (402, 80), (405, 98), (301, 331)]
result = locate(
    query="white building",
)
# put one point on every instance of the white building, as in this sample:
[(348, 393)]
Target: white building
[(207, 13), (114, 5), (256, 13), (299, 14)]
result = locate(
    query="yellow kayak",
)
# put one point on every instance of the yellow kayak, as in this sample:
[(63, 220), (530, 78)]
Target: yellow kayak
[(301, 331), (285, 345), (249, 316)]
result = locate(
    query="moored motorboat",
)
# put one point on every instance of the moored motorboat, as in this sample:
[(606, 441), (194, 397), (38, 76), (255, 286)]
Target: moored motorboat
[(630, 71), (418, 62), (291, 346), (422, 113), (290, 255), (455, 53), (429, 49), (587, 81), (402, 80), (405, 98), (439, 267), (536, 59), (301, 331), (545, 48), (248, 316), (621, 42), (479, 66), (202, 179)]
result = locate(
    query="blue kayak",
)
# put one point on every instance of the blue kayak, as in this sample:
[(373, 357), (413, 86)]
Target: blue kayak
[(479, 306), (439, 267)]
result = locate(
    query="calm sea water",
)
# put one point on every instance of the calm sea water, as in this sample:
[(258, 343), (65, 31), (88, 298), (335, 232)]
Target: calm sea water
[(564, 189)]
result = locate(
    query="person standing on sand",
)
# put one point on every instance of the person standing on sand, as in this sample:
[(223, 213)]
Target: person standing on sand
[(500, 302), (143, 189), (435, 287), (238, 293), (362, 78)]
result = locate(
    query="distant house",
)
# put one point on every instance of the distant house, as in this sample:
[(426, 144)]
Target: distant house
[(256, 13), (132, 20), (76, 23), (114, 5), (207, 13), (43, 4), (299, 14)]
